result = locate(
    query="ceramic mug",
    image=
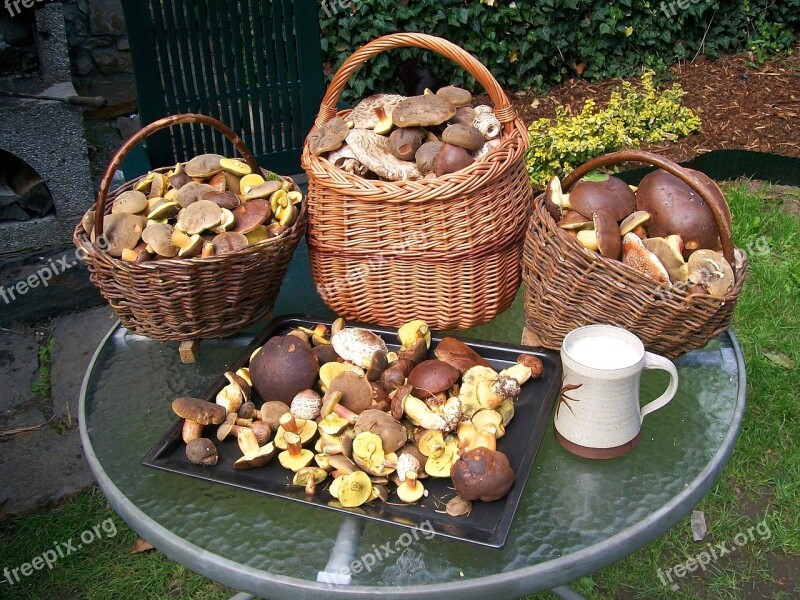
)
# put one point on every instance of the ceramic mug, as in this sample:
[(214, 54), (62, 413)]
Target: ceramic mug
[(599, 413)]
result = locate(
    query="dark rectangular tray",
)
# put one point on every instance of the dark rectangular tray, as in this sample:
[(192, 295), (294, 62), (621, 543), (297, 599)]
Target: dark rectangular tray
[(489, 522)]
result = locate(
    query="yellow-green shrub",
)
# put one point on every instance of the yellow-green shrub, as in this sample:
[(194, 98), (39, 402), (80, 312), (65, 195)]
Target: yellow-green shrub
[(633, 115)]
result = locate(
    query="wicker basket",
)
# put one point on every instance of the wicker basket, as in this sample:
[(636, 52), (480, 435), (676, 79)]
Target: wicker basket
[(568, 286), (195, 298), (446, 250)]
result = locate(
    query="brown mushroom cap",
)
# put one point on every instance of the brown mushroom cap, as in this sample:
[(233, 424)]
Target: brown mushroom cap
[(482, 474), (283, 367), (670, 256), (451, 159), (356, 391), (423, 111), (204, 165), (224, 199), (709, 270), (572, 220), (464, 115), (405, 141), (464, 136), (258, 458), (364, 116), (251, 214), (636, 256), (200, 411), (178, 180), (199, 216), (612, 195), (715, 191), (457, 354), (230, 241), (132, 202), (633, 220), (159, 238), (390, 430), (328, 137), (191, 193), (202, 451), (271, 413), (456, 96), (431, 377), (122, 231), (609, 240), (675, 208), (426, 154)]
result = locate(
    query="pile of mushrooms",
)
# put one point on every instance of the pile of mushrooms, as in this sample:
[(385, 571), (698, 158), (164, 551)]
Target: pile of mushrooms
[(662, 229), (209, 206), (339, 408), (393, 137)]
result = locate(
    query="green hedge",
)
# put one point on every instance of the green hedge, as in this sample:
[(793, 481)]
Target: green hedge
[(537, 43)]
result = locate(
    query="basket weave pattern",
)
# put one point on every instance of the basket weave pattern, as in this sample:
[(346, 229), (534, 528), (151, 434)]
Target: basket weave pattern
[(568, 286), (195, 298), (446, 250)]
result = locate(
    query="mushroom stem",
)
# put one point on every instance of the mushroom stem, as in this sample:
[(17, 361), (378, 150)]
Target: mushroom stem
[(192, 430), (293, 444), (422, 416), (411, 480), (330, 404), (288, 422), (311, 486)]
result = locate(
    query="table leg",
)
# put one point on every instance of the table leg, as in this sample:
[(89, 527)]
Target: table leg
[(567, 593), (242, 596), (343, 553)]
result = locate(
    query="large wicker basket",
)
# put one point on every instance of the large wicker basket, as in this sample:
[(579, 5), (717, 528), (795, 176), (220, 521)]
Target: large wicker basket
[(195, 298), (568, 286), (446, 250)]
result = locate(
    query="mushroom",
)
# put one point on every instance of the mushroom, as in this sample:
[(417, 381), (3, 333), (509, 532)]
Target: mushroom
[(405, 141), (192, 192), (330, 370), (390, 430), (481, 387), (250, 215), (353, 489), (451, 159), (555, 200), (253, 454), (158, 186), (230, 241), (295, 457), (191, 430), (669, 253), (356, 391), (333, 424), (306, 405), (378, 364), (464, 136), (415, 353), (458, 506), (271, 412), (346, 160), (163, 210), (202, 451), (610, 194), (368, 453), (457, 354), (403, 403), (639, 258), (464, 115), (363, 116), (431, 377), (711, 272), (199, 216), (414, 330), (158, 238), (262, 431), (609, 240), (132, 202), (203, 166), (305, 430), (355, 344), (372, 150), (392, 378), (283, 367), (441, 463), (328, 137), (675, 208), (235, 166), (534, 363), (178, 180), (122, 232), (456, 96), (573, 220), (384, 124), (201, 411), (309, 477), (426, 154), (330, 405), (410, 490), (487, 124), (482, 474), (187, 246), (223, 199), (487, 147), (423, 111), (633, 221)]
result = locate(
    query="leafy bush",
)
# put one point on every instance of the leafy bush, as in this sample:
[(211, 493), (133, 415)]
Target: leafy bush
[(527, 44), (632, 116)]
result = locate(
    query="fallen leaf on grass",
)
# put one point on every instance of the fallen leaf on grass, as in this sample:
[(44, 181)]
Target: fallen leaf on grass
[(781, 360), (699, 528), (140, 546)]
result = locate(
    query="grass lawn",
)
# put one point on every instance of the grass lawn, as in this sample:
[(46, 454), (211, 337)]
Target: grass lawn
[(760, 484)]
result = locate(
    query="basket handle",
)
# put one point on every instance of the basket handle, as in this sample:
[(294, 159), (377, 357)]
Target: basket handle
[(504, 112), (147, 130), (672, 167)]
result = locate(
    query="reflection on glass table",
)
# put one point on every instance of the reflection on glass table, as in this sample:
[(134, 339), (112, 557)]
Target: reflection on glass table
[(576, 516)]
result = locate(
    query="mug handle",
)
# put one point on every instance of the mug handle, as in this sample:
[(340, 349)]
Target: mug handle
[(654, 361)]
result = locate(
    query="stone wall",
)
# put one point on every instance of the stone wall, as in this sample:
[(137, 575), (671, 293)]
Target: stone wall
[(100, 54)]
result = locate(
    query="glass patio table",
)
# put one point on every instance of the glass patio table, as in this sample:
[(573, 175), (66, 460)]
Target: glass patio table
[(576, 515)]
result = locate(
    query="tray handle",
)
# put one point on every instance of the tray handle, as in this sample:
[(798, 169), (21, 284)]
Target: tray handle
[(147, 130), (670, 166), (504, 112)]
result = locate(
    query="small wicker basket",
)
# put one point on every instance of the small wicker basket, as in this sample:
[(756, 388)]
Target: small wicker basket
[(446, 250), (188, 299), (568, 286)]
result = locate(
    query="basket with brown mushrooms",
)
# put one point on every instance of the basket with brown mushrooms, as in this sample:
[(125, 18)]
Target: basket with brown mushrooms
[(209, 206), (393, 137), (343, 413), (662, 228)]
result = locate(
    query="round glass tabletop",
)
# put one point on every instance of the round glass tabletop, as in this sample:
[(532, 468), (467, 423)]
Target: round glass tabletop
[(576, 515)]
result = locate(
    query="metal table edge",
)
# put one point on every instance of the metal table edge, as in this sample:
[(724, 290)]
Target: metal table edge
[(513, 584)]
